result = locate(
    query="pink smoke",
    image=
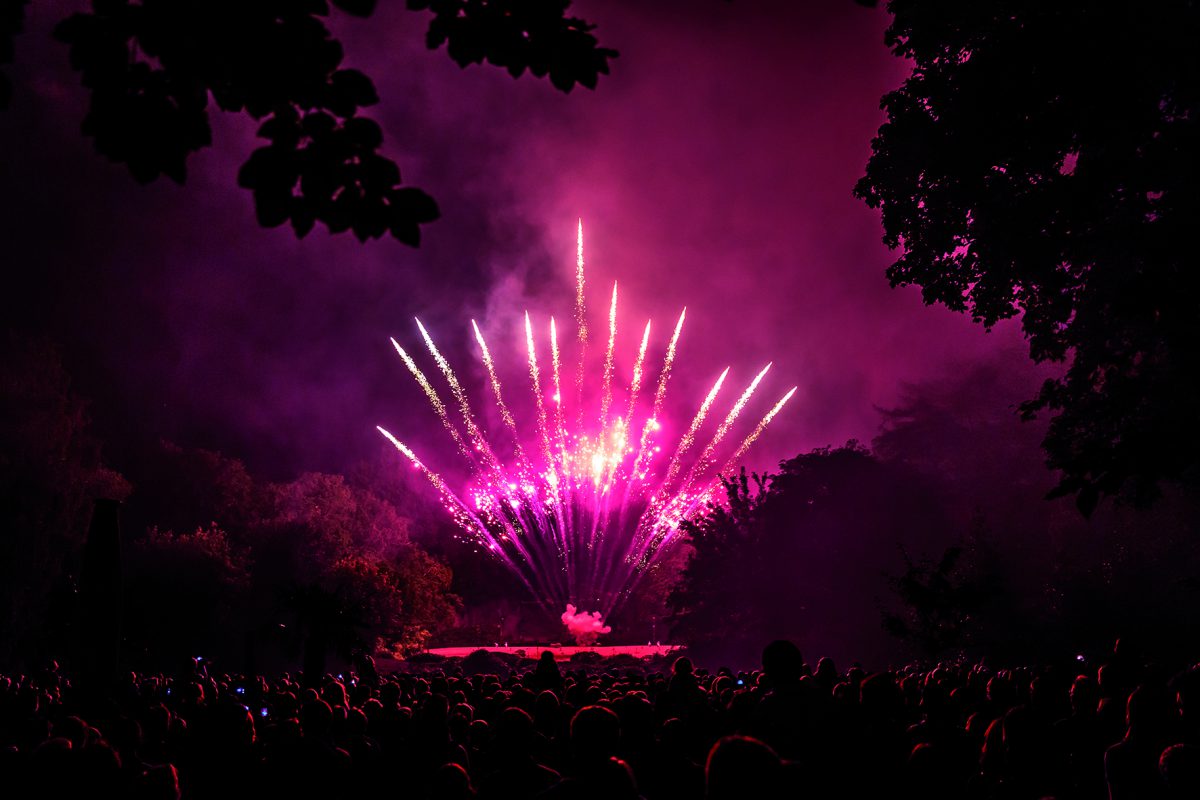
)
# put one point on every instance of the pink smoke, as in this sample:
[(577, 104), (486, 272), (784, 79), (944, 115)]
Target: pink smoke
[(585, 627)]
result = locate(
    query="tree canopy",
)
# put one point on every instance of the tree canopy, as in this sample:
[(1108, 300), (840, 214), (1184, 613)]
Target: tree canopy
[(1040, 161), (155, 68), (801, 554), (215, 558)]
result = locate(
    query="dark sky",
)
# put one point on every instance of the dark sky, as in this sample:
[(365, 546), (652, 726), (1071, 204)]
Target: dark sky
[(713, 169)]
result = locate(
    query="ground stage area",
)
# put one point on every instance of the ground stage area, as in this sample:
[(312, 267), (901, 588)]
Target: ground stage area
[(562, 653)]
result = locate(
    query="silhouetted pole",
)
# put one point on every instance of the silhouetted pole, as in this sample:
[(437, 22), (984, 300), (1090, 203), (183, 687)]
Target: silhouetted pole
[(100, 599)]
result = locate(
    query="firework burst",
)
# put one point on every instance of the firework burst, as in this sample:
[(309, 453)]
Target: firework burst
[(580, 514)]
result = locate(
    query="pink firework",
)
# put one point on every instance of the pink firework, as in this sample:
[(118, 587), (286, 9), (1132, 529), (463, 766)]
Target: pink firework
[(581, 511)]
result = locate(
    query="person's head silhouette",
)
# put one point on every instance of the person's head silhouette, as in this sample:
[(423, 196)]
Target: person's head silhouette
[(742, 767), (782, 662)]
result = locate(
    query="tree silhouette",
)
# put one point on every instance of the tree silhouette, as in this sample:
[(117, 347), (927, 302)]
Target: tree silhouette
[(318, 563), (153, 66), (801, 554), (51, 472), (1041, 161), (711, 603), (183, 595)]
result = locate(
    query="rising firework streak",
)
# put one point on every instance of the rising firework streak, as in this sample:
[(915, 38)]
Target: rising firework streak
[(583, 511)]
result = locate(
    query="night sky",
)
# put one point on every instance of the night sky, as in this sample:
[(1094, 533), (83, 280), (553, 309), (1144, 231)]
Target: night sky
[(713, 169)]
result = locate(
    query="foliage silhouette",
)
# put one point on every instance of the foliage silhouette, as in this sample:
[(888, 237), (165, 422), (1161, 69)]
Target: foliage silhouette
[(518, 35), (339, 559), (940, 603), (218, 561), (153, 66), (802, 553), (1027, 169), (181, 592), (710, 602)]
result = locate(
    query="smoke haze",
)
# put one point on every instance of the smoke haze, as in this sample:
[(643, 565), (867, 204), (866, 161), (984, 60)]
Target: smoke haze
[(713, 170)]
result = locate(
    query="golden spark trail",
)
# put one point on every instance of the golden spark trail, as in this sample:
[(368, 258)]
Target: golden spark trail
[(505, 414), (560, 428), (467, 519), (758, 430), (560, 494), (635, 384), (435, 401), (705, 459), (730, 418), (660, 393), (535, 376), (580, 317), (514, 528), (606, 394), (685, 442), (434, 478), (580, 325), (553, 477), (674, 506), (706, 495), (667, 502), (463, 515), (554, 362), (477, 438)]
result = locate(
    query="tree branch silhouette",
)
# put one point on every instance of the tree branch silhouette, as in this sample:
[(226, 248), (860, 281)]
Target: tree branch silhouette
[(1040, 162), (152, 67)]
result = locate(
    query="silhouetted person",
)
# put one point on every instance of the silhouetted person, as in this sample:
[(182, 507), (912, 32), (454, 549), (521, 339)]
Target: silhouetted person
[(683, 695), (516, 774), (742, 767), (783, 711), (546, 676), (319, 766), (1114, 700), (826, 675), (880, 747), (158, 783), (1079, 743), (595, 770), (932, 774), (1179, 766), (451, 782), (1131, 765), (672, 774)]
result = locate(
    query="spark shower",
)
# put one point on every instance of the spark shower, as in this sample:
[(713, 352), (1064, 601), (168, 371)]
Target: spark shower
[(587, 503)]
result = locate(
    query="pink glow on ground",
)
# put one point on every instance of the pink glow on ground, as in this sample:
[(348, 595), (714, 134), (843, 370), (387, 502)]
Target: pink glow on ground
[(561, 653)]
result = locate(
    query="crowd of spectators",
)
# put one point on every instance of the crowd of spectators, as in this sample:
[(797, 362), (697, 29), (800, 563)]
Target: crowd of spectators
[(1124, 731)]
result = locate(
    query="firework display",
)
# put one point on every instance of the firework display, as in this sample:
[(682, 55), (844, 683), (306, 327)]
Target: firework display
[(586, 504)]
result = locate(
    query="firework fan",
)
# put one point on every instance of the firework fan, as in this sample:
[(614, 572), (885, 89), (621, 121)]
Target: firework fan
[(585, 507)]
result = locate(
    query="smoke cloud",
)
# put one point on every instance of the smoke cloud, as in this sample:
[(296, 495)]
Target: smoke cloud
[(585, 627)]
